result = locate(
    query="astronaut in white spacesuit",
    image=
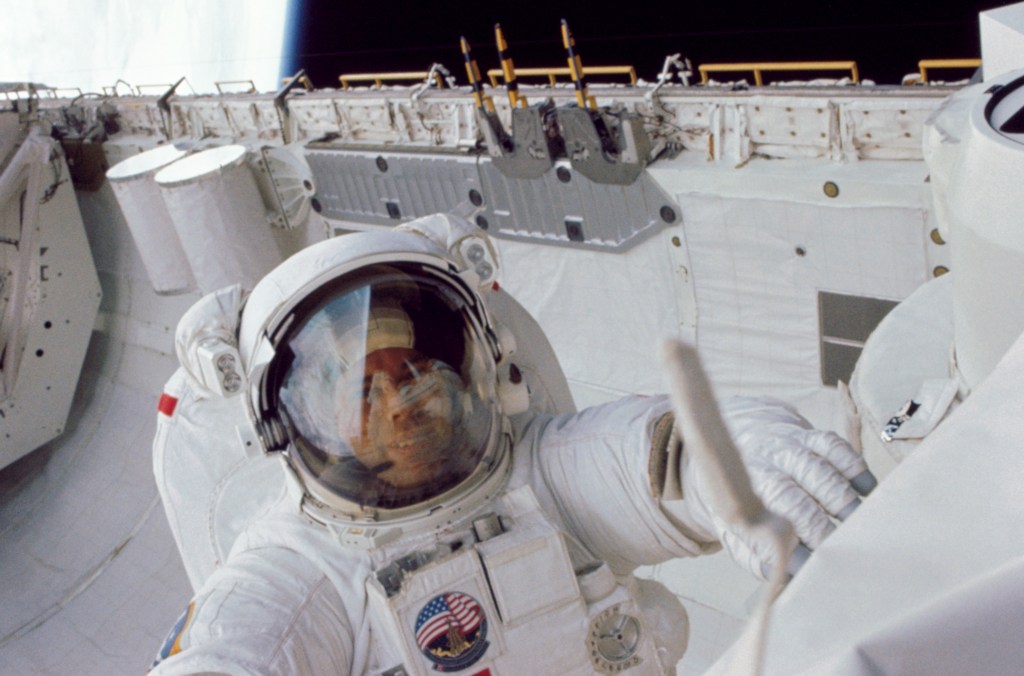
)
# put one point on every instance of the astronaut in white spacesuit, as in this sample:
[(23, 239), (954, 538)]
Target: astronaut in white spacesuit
[(439, 513)]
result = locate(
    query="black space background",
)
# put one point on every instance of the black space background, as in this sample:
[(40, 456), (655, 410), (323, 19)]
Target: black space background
[(885, 38)]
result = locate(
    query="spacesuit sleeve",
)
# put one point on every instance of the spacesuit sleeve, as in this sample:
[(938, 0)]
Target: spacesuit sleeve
[(270, 611), (599, 471), (195, 454)]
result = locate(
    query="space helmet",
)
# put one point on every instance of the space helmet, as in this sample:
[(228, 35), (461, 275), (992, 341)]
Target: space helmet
[(373, 367)]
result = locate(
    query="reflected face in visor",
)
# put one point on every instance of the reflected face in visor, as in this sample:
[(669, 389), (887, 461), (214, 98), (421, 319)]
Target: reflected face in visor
[(387, 389), (410, 412)]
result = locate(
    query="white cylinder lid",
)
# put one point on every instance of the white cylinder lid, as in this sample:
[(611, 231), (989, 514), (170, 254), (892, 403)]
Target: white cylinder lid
[(200, 164), (145, 162)]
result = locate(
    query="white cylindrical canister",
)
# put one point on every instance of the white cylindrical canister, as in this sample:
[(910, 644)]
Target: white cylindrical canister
[(220, 218), (986, 209), (155, 236)]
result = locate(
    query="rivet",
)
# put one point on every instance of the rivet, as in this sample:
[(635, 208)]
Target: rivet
[(676, 241), (831, 189), (939, 270), (937, 236)]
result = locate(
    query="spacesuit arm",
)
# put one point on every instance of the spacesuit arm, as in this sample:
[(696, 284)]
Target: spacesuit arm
[(632, 498), (270, 611), (593, 469)]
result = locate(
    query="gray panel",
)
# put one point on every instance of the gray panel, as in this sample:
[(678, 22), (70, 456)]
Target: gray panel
[(845, 323), (387, 187), (851, 317), (837, 362), (562, 207), (556, 207)]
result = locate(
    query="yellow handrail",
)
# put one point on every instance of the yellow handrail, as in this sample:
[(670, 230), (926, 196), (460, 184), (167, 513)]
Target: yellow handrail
[(379, 78), (925, 64), (303, 80), (760, 67), (552, 73)]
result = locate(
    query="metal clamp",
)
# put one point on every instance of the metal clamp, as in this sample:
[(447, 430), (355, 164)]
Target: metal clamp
[(281, 104)]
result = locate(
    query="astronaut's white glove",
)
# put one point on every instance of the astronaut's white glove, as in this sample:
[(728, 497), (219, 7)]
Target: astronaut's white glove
[(805, 475)]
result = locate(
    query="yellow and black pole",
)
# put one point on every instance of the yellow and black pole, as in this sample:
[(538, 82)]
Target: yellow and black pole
[(583, 97), (488, 116), (483, 101), (508, 70)]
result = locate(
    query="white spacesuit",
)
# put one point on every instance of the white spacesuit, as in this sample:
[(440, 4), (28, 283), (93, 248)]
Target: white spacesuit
[(440, 514)]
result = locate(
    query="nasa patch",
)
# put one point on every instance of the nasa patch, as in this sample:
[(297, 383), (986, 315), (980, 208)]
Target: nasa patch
[(451, 631), (172, 644)]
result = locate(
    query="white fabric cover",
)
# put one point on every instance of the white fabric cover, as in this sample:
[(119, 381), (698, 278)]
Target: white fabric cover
[(748, 273), (911, 346), (219, 215), (928, 576), (148, 220)]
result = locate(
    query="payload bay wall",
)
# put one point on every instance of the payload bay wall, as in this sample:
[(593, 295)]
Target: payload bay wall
[(774, 226)]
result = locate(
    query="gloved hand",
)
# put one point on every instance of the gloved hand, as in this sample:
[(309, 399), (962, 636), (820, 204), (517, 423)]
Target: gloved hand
[(805, 475)]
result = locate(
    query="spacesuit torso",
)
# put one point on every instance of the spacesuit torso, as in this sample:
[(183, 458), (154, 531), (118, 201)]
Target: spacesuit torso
[(536, 580)]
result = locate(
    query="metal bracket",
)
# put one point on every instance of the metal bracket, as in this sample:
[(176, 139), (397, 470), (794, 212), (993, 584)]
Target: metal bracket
[(529, 152), (683, 67), (281, 104), (605, 146), (163, 103), (436, 70)]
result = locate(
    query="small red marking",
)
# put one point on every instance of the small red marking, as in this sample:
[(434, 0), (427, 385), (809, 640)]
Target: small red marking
[(166, 404), (494, 287), (483, 672)]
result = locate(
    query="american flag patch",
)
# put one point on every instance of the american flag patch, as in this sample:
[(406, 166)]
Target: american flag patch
[(451, 630)]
